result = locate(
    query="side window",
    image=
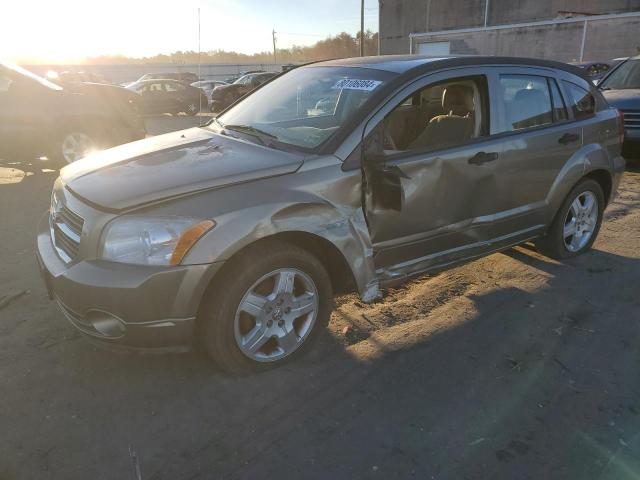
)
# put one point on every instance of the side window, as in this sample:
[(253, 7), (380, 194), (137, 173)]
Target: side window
[(559, 109), (441, 115), (155, 87), (582, 102), (174, 87), (526, 102)]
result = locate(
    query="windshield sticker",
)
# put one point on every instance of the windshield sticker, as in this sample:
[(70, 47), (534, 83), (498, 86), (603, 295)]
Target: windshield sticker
[(355, 84)]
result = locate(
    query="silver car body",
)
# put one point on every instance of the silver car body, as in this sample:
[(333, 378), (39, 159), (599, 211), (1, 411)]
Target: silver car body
[(253, 192)]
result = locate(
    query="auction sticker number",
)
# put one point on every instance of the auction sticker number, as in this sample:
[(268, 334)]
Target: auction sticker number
[(355, 84)]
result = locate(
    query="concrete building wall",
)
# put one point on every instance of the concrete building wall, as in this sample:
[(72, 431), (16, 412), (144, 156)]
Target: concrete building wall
[(519, 11), (605, 38)]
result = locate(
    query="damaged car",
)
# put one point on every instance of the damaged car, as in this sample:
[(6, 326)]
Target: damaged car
[(353, 174)]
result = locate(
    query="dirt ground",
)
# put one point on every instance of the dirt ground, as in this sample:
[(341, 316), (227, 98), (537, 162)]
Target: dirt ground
[(510, 367)]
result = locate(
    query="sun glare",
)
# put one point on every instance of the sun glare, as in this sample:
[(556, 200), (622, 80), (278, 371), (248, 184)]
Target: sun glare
[(70, 30)]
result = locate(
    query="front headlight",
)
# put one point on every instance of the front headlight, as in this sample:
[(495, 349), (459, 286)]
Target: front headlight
[(152, 240)]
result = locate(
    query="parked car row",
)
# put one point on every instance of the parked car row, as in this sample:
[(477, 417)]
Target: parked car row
[(224, 95), (169, 96)]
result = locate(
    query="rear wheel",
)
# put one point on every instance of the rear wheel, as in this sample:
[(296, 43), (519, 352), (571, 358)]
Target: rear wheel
[(576, 224), (275, 301), (191, 108)]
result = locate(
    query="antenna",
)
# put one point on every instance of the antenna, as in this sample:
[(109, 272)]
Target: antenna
[(273, 34), (199, 66)]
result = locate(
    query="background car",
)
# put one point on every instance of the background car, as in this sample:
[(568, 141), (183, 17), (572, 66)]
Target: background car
[(169, 96), (184, 77), (41, 118), (207, 86), (594, 70), (621, 88), (76, 77), (225, 95)]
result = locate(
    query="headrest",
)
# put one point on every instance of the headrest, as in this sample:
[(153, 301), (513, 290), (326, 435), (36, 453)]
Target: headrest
[(457, 99)]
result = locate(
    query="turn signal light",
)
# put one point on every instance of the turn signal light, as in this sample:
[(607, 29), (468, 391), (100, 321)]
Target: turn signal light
[(188, 239)]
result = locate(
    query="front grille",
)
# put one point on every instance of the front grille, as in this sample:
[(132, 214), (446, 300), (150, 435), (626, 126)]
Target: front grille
[(66, 229), (631, 119)]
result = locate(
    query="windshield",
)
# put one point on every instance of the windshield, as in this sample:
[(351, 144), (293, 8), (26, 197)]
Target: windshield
[(625, 76), (306, 106)]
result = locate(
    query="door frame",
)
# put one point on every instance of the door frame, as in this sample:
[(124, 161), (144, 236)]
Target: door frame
[(434, 259)]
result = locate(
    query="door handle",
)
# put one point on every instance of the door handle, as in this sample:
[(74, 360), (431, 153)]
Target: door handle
[(568, 138), (483, 157)]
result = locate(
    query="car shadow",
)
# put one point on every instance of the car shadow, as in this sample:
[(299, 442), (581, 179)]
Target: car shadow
[(512, 382)]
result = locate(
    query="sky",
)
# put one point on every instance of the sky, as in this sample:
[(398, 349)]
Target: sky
[(64, 31)]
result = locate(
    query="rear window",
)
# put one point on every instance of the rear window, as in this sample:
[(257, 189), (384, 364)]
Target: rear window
[(582, 102), (526, 102)]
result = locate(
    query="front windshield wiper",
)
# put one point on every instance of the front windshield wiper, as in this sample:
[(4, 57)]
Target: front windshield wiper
[(249, 130)]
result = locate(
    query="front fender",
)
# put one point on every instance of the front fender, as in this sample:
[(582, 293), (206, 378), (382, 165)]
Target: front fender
[(322, 204)]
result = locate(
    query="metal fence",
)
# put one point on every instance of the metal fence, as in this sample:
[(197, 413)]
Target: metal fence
[(598, 37)]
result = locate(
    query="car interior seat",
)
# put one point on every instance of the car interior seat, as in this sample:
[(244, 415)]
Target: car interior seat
[(456, 125)]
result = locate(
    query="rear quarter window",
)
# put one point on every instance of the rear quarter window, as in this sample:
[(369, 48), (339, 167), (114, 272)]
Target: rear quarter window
[(581, 101)]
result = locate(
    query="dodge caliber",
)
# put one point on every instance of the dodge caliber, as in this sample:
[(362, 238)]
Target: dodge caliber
[(349, 174)]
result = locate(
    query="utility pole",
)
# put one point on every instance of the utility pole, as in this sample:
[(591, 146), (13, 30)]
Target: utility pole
[(362, 28), (273, 34)]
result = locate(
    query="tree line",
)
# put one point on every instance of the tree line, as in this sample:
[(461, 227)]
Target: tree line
[(339, 46)]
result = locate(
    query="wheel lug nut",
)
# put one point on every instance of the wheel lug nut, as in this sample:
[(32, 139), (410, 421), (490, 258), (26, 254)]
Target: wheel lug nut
[(269, 323), (280, 323)]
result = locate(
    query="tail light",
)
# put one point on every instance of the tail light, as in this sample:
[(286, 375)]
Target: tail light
[(621, 126)]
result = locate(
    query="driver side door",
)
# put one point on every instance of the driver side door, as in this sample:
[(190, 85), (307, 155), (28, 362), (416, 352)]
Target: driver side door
[(430, 192)]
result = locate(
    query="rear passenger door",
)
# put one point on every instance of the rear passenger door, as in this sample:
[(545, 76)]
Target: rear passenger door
[(538, 137)]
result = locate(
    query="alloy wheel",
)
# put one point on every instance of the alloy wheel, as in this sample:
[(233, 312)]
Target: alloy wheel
[(76, 145), (276, 315), (581, 221)]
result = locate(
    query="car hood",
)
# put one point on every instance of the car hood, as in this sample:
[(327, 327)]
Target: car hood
[(171, 165), (627, 99)]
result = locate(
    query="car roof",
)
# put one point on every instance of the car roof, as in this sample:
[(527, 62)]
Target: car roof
[(409, 63)]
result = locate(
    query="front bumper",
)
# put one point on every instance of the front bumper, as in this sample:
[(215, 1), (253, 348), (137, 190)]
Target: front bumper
[(132, 306)]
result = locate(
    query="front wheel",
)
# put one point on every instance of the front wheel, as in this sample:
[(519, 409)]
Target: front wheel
[(576, 224), (271, 306), (191, 108), (75, 145)]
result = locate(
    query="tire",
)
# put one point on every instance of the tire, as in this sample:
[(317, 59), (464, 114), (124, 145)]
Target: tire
[(556, 243), (69, 146), (241, 342), (191, 108)]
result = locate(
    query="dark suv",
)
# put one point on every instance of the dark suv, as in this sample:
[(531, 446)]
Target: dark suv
[(621, 88), (225, 95), (357, 173)]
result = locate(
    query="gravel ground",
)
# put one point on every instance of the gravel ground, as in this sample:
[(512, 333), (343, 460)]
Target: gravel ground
[(510, 367)]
